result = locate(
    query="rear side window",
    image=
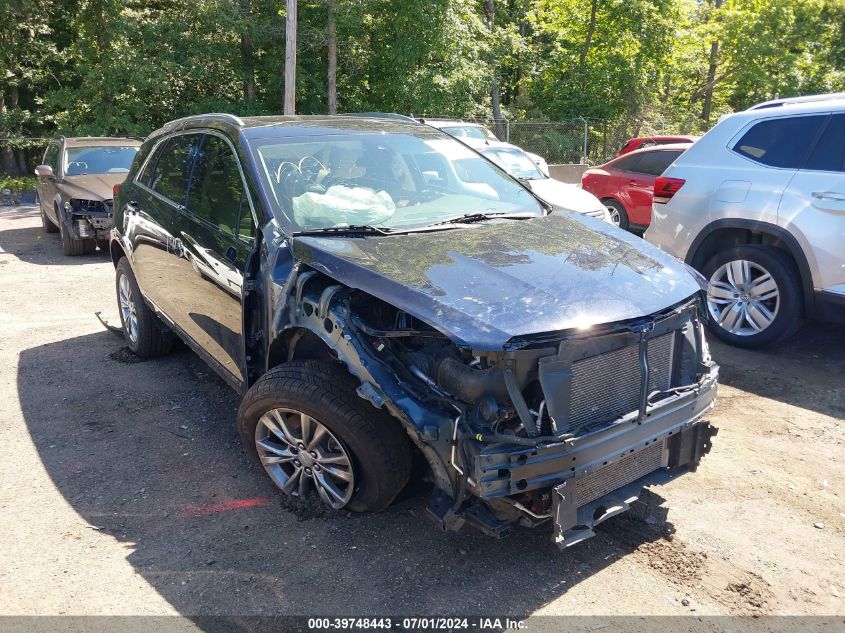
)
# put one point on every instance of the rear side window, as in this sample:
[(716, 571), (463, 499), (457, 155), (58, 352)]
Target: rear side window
[(172, 169), (216, 192), (629, 163), (780, 142), (829, 153), (655, 163)]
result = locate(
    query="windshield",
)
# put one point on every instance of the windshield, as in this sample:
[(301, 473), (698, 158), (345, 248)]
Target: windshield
[(98, 160), (392, 181), (514, 161), (470, 131)]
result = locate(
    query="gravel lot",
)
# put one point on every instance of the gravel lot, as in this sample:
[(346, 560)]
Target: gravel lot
[(124, 490)]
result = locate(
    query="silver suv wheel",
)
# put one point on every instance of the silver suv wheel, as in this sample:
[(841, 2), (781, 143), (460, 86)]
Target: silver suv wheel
[(298, 452), (743, 297), (127, 308)]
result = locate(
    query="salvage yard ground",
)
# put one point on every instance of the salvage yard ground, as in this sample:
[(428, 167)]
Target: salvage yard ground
[(124, 490)]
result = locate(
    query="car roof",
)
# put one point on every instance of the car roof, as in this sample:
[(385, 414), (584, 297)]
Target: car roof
[(295, 125), (449, 122), (815, 99), (655, 148), (660, 137), (99, 141)]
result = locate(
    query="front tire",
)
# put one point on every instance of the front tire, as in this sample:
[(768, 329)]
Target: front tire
[(754, 296), (47, 223), (72, 246), (304, 423), (145, 334)]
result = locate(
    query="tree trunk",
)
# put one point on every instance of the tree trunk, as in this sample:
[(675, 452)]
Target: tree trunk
[(247, 53), (711, 78), (7, 157), (290, 57), (591, 30), (332, 73), (495, 99)]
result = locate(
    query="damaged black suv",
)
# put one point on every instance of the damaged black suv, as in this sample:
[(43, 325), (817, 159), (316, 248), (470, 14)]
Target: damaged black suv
[(384, 297)]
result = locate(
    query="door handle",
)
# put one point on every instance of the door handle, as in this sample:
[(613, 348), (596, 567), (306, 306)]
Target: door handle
[(829, 195), (231, 254), (633, 182)]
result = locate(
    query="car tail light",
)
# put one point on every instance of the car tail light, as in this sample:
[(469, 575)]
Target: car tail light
[(115, 190), (665, 188)]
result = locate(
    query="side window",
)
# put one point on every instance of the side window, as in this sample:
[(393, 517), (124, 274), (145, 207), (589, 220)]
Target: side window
[(246, 225), (629, 163), (780, 142), (51, 157), (829, 153), (145, 175), (216, 191), (655, 163), (172, 169)]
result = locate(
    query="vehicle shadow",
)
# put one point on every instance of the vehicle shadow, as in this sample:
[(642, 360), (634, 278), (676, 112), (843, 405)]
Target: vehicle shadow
[(33, 245), (157, 465), (805, 371)]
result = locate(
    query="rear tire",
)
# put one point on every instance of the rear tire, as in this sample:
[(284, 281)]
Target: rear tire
[(144, 332), (378, 448), (618, 214), (754, 295)]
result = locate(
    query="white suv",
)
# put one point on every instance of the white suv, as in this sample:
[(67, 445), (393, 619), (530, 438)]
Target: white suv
[(758, 206)]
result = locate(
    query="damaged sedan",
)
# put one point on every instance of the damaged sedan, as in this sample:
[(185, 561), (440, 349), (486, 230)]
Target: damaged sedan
[(392, 306)]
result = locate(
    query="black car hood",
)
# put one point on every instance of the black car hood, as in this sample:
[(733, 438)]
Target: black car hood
[(485, 284)]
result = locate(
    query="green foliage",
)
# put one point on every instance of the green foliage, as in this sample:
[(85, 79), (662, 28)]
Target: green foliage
[(18, 184), (642, 66)]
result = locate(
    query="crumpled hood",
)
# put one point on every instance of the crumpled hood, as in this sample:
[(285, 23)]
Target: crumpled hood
[(486, 284), (566, 196), (97, 187)]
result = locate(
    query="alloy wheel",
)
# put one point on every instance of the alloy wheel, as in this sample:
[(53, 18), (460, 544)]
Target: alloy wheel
[(127, 308), (615, 217), (298, 452), (743, 297)]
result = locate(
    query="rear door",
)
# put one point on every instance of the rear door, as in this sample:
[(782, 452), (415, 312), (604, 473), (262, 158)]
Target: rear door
[(152, 216), (47, 186), (216, 232), (641, 184), (813, 205)]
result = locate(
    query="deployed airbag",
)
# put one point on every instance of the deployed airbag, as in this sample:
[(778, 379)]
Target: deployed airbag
[(341, 205)]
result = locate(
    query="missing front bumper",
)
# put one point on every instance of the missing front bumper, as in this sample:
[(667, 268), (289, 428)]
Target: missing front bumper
[(581, 503)]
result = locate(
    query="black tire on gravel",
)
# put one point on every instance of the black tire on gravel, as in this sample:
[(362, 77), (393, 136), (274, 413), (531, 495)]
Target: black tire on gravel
[(154, 338), (73, 247), (379, 448), (782, 268), (47, 223), (623, 214)]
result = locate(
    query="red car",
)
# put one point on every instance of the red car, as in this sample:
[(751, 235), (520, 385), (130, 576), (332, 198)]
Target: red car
[(640, 142), (625, 185)]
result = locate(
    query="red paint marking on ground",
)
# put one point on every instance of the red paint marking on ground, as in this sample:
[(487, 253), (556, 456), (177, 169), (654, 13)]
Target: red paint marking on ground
[(214, 508)]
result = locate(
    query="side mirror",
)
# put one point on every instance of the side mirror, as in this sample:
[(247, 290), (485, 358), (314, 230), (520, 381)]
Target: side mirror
[(44, 171)]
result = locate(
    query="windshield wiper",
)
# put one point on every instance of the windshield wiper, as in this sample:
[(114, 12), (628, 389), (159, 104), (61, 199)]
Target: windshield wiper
[(469, 218), (354, 229)]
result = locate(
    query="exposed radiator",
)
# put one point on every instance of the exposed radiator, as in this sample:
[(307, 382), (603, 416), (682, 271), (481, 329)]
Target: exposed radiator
[(607, 386), (619, 473)]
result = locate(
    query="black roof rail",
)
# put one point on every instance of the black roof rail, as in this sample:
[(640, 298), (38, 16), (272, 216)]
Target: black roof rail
[(231, 118)]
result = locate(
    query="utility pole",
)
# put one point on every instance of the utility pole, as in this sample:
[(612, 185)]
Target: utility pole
[(290, 57)]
